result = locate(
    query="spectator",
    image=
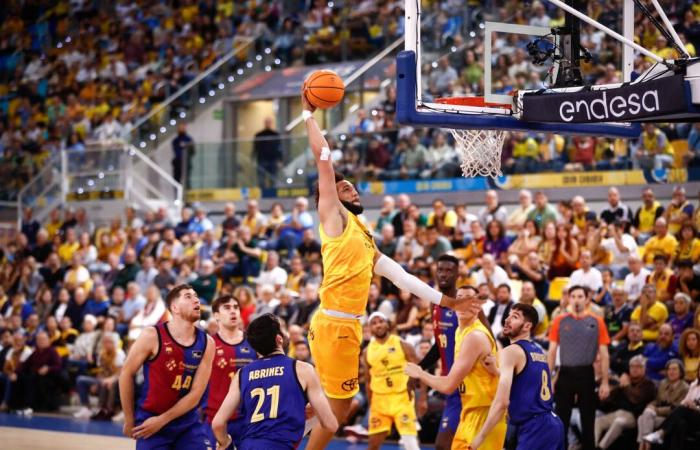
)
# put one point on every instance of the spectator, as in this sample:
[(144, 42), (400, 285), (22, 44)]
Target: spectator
[(493, 210), (528, 241), (660, 352), (646, 216), (287, 309), (688, 281), (617, 315), (663, 278), (386, 213), (587, 275), (689, 349), (653, 149), (579, 337), (16, 353), (669, 395), (628, 401), (498, 313), (675, 429), (230, 222), (435, 245), (309, 305), (660, 243), (292, 228), (128, 272), (650, 313), (403, 202), (620, 245), (153, 313), (688, 244), (387, 243), (310, 248), (98, 304), (526, 153), (183, 150), (621, 353), (134, 303), (109, 363), (254, 220), (268, 153), (205, 284), (416, 158), (296, 275), (497, 243), (582, 215), (678, 212), (443, 219), (636, 279), (491, 274), (273, 275), (682, 316), (39, 379), (543, 212), (517, 218), (565, 253), (616, 210), (408, 245)]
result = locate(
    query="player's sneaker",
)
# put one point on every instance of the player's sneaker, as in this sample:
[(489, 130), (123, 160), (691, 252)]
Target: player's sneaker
[(83, 413), (357, 431), (654, 438), (26, 412), (118, 417)]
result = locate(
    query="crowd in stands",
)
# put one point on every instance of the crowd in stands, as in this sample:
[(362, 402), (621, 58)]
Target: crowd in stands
[(74, 296)]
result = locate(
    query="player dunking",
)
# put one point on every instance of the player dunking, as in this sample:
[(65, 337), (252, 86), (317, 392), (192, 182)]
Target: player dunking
[(389, 399), (349, 259), (232, 353), (477, 380), (176, 358), (272, 393), (524, 388), (445, 325)]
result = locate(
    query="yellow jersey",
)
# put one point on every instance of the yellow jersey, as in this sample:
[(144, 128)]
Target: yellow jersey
[(348, 261), (386, 364), (478, 389), (647, 218)]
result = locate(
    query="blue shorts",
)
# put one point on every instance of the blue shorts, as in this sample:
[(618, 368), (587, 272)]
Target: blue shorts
[(259, 444), (234, 428), (451, 413), (543, 432), (184, 433)]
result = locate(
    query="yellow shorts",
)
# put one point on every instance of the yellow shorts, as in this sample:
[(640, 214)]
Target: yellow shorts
[(470, 423), (335, 349), (385, 409)]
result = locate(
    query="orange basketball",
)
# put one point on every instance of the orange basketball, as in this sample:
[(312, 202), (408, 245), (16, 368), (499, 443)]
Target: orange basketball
[(324, 89)]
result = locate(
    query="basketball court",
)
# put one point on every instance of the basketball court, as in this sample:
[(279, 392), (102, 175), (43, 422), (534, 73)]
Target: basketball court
[(50, 432)]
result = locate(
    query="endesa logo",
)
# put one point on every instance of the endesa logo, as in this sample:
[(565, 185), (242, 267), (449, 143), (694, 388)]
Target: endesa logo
[(631, 102), (612, 109)]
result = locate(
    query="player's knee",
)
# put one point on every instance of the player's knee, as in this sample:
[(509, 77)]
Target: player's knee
[(410, 442)]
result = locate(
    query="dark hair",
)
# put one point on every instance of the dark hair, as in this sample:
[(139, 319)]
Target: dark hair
[(585, 289), (529, 313), (222, 300), (262, 334), (467, 286), (501, 230), (684, 263), (661, 257), (317, 194), (448, 258), (503, 285), (174, 293)]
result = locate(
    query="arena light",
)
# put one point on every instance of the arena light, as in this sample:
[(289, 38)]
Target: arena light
[(101, 175), (278, 61), (91, 182), (482, 25), (212, 93), (249, 64), (142, 144), (289, 180), (230, 79), (80, 190), (172, 122), (220, 86), (331, 4), (268, 50), (268, 68), (163, 130), (68, 40), (183, 114), (453, 49), (434, 64), (343, 137), (132, 152), (300, 171), (258, 57), (472, 34), (152, 137), (202, 100), (239, 71), (59, 45)]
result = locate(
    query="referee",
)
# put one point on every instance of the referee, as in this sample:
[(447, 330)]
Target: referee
[(579, 336)]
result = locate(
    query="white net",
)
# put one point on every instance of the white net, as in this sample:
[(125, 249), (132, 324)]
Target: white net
[(480, 151)]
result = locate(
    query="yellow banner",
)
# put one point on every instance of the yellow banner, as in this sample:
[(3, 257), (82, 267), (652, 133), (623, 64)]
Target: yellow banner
[(579, 179), (221, 195)]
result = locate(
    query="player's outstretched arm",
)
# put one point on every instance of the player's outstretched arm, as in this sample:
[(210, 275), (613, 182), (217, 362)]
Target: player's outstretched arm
[(145, 346), (391, 270), (228, 406), (151, 425), (509, 357), (474, 347), (319, 402), (330, 211)]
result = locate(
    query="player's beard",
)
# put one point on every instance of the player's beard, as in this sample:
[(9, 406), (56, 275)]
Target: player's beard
[(353, 208), (513, 332)]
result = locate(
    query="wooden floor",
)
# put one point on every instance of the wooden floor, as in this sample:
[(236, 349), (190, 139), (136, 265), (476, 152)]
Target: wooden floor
[(29, 439)]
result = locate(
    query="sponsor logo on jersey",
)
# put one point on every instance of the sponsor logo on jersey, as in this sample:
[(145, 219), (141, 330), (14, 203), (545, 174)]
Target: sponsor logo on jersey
[(197, 354), (350, 385)]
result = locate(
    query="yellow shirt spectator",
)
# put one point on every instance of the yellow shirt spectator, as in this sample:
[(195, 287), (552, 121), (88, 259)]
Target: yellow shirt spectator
[(666, 246), (658, 312), (66, 251)]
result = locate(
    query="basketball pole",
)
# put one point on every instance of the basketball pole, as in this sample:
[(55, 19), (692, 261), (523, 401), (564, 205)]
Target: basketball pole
[(353, 76)]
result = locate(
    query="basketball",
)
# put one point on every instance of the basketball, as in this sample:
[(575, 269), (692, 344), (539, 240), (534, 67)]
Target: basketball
[(324, 89)]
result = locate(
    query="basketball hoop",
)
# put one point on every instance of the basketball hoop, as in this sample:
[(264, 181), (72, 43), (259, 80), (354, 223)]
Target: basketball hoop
[(479, 150)]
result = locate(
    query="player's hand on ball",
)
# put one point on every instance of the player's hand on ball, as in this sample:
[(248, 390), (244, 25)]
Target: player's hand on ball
[(304, 101), (148, 428), (413, 370)]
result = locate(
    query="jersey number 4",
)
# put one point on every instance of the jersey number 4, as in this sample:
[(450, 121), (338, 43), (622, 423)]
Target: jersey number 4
[(274, 393), (180, 384)]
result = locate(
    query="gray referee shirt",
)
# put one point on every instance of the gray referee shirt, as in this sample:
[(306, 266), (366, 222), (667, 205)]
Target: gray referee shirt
[(578, 339)]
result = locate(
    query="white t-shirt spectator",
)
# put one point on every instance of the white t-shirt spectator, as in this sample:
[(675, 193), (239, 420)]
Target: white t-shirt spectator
[(497, 278), (619, 257), (26, 352), (275, 277), (486, 216), (145, 318), (634, 284), (145, 277), (593, 279)]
